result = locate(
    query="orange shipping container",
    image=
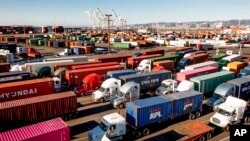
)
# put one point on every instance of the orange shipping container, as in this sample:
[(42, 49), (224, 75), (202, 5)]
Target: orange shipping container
[(236, 66), (167, 64)]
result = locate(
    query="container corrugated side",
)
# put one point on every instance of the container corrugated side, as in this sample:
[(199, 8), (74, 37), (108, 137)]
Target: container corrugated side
[(38, 108), (68, 65), (50, 130), (117, 74), (186, 102), (147, 111), (76, 67), (243, 86)]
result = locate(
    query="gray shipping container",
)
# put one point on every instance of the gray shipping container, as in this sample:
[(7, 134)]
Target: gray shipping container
[(147, 81)]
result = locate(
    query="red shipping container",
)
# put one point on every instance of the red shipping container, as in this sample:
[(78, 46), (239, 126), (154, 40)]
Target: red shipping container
[(75, 77), (186, 75), (198, 58), (77, 67), (4, 67), (37, 108), (50, 130), (133, 62), (26, 89), (120, 58), (68, 65)]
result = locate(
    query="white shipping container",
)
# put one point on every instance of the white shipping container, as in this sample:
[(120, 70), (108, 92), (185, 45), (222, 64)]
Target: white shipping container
[(75, 58), (233, 57)]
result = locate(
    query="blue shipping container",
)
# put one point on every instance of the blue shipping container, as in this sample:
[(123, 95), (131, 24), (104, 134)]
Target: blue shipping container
[(185, 102), (147, 111), (117, 74), (242, 87), (149, 80)]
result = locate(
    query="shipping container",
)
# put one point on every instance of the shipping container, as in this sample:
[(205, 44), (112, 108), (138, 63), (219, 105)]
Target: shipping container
[(68, 65), (200, 65), (117, 74), (206, 84), (50, 130), (30, 110), (218, 57), (236, 66), (14, 73), (133, 62), (4, 67), (121, 45), (166, 64), (75, 58), (154, 51), (242, 87), (117, 58), (75, 77), (26, 89), (14, 78), (198, 58), (174, 58), (147, 111), (186, 75), (148, 81), (77, 67)]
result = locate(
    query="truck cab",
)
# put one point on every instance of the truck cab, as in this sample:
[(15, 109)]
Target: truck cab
[(112, 127), (57, 84), (220, 94), (144, 66), (90, 83), (109, 88), (130, 91), (243, 72), (170, 86), (231, 112)]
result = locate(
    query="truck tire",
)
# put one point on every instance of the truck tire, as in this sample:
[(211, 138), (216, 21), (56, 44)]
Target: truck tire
[(202, 138), (209, 136), (247, 119), (82, 94), (121, 106), (102, 100), (197, 114), (145, 131), (136, 134), (192, 116)]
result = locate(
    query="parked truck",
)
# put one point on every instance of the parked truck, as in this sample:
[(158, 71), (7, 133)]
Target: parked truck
[(129, 92), (200, 65), (244, 72), (147, 81), (239, 87), (206, 84), (186, 75), (14, 73), (133, 62), (224, 61), (218, 57), (142, 115), (235, 66), (232, 112), (68, 65), (90, 83), (28, 88), (170, 86), (190, 60), (117, 74), (34, 109), (54, 129), (77, 67), (75, 58), (43, 68)]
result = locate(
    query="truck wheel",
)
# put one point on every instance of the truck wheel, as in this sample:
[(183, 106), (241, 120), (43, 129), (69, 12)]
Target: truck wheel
[(138, 134), (227, 128), (247, 119), (192, 116), (146, 131), (202, 138), (121, 106), (209, 136), (198, 114), (102, 100)]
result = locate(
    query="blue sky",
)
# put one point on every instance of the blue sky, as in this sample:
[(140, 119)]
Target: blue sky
[(71, 12)]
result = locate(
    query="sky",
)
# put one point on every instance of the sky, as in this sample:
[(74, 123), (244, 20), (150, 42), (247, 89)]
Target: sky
[(71, 12)]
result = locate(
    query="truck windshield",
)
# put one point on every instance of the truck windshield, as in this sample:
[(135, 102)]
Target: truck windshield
[(224, 112), (103, 126), (102, 89), (164, 85), (84, 84)]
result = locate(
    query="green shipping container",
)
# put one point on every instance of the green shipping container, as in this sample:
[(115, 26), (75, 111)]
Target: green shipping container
[(121, 45), (41, 42), (218, 57), (174, 58), (206, 84), (33, 41), (223, 63)]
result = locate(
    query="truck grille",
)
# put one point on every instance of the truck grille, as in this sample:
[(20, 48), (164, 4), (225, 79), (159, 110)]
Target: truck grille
[(215, 120)]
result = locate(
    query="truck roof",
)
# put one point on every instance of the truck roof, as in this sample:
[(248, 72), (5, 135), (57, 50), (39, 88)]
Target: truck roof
[(127, 86), (199, 65), (114, 118), (149, 101), (212, 75), (229, 58), (239, 81), (180, 95)]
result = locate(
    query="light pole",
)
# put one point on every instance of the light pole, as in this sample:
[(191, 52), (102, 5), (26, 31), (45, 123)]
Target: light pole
[(108, 16)]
